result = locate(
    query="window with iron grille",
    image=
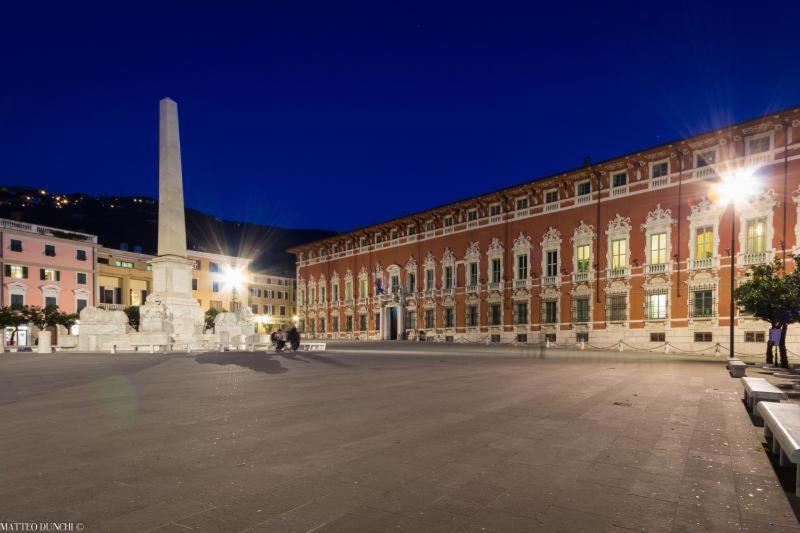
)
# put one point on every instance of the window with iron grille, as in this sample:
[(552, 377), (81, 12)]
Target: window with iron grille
[(429, 319), (551, 337), (322, 325), (656, 306), (335, 323), (362, 322), (348, 323), (377, 322), (522, 337), (494, 339), (521, 313), (658, 337), (617, 307), (472, 315), (494, 314), (582, 336), (549, 311), (702, 303), (449, 317), (702, 336), (582, 309), (411, 320)]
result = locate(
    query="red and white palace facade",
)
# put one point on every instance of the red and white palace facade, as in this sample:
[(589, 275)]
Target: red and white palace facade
[(635, 248)]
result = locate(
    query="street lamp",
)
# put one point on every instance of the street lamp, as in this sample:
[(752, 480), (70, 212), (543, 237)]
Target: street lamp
[(234, 279), (736, 187)]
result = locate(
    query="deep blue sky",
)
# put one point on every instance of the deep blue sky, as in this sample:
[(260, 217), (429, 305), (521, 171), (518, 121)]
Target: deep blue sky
[(333, 121)]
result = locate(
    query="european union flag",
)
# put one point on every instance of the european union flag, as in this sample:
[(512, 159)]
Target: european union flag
[(378, 288)]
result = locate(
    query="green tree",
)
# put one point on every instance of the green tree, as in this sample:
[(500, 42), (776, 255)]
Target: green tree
[(773, 295), (133, 316), (211, 314), (54, 317)]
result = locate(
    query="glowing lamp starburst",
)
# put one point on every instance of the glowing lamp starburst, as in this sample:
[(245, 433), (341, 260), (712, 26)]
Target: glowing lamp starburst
[(737, 186)]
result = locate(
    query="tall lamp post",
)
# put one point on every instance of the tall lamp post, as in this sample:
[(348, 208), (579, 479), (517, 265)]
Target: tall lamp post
[(234, 279), (736, 187)]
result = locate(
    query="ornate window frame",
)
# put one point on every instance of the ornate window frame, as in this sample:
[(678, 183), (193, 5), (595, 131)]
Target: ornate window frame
[(656, 286), (796, 199), (495, 251), (335, 284), (411, 268), (619, 228), (550, 294), (658, 221), (583, 235), (472, 257), (551, 241), (348, 279), (704, 213), (449, 260), (581, 292), (363, 275), (761, 207), (429, 265), (703, 281), (522, 248), (618, 288), (393, 270)]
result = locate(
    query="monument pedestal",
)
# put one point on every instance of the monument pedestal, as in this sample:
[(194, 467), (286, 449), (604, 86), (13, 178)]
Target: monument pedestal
[(171, 308)]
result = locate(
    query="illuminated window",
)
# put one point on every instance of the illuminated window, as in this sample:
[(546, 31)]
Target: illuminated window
[(583, 253), (16, 271), (756, 235), (123, 264), (704, 242), (656, 306), (658, 248), (705, 159), (619, 253), (48, 274)]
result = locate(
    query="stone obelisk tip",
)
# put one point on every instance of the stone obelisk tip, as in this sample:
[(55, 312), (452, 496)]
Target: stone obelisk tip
[(171, 221)]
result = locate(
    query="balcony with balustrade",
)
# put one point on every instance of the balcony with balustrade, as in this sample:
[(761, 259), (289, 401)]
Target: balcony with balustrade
[(551, 206), (659, 182), (496, 286), (583, 199), (654, 269), (758, 159), (550, 281), (704, 172), (522, 283), (474, 288), (620, 190), (618, 272), (495, 219), (581, 277), (754, 258), (706, 263)]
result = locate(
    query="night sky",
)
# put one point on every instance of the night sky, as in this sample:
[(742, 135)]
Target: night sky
[(314, 119)]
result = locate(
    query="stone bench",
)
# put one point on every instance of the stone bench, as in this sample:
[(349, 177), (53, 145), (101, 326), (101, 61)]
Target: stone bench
[(151, 345), (760, 390), (312, 346), (782, 429), (737, 369), (728, 364)]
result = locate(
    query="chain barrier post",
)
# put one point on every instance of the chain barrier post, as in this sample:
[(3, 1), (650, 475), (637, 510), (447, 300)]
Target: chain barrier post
[(620, 345), (666, 347), (583, 345), (716, 350)]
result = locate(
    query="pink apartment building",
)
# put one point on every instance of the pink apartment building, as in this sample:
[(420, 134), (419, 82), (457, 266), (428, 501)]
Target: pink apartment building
[(43, 266)]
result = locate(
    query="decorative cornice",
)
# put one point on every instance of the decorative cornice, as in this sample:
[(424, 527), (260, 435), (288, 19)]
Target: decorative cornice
[(448, 257), (758, 128), (552, 237), (583, 232), (411, 264), (495, 246), (522, 242), (619, 224), (658, 217), (429, 260), (473, 251)]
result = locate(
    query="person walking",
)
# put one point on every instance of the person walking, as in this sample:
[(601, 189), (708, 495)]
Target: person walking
[(293, 336)]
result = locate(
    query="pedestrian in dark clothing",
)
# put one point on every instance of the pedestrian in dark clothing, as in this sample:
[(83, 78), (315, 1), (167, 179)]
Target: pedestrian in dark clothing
[(293, 336)]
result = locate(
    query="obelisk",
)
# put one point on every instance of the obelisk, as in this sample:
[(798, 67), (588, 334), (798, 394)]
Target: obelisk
[(171, 309), (171, 221)]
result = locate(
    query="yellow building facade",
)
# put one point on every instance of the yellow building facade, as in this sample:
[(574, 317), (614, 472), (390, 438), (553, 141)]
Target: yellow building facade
[(272, 300), (219, 281)]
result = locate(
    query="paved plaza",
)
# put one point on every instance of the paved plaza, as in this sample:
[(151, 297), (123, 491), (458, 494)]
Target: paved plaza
[(384, 437)]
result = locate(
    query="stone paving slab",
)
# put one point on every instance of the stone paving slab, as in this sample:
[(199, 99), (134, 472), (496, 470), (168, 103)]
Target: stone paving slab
[(385, 437)]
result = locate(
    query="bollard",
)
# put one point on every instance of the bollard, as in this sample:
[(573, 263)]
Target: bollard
[(547, 343), (716, 349), (666, 347), (620, 345), (583, 345)]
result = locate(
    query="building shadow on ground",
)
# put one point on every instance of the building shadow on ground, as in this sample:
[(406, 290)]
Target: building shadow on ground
[(307, 357), (258, 361)]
